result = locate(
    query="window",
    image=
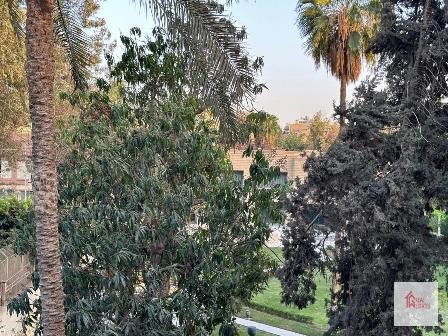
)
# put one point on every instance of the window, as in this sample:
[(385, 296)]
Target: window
[(5, 170), (280, 180), (22, 171), (239, 176), (283, 179)]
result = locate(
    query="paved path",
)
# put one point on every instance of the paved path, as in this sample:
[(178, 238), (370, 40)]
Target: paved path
[(8, 324), (266, 328)]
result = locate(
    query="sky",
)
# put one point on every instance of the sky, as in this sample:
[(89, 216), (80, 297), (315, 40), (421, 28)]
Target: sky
[(295, 87)]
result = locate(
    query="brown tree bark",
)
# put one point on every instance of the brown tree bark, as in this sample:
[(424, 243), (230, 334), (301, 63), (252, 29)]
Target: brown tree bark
[(336, 283), (40, 76), (342, 100)]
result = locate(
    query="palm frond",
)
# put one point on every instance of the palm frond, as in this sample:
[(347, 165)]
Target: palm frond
[(70, 34), (214, 50), (337, 33), (15, 17)]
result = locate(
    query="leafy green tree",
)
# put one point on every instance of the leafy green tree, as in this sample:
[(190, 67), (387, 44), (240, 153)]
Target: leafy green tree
[(134, 260), (13, 215), (322, 133), (13, 98), (293, 142), (439, 222), (337, 34), (224, 73), (263, 127)]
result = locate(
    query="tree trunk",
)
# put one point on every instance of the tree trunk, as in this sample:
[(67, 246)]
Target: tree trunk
[(336, 286), (412, 78), (40, 76), (343, 100)]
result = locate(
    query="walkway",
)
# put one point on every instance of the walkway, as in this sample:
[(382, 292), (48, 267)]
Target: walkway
[(266, 328), (9, 325)]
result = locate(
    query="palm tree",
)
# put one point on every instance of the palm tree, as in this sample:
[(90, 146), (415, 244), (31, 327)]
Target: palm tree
[(224, 73), (42, 24), (337, 33), (264, 127)]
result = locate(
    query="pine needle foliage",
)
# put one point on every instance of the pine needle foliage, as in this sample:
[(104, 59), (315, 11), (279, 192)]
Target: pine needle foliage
[(379, 182)]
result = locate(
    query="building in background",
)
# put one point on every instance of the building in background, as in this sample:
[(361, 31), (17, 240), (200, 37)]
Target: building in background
[(15, 177), (290, 162), (299, 127)]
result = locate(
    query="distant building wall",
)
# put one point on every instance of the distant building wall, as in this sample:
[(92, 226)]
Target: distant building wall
[(15, 178), (290, 162), (299, 127)]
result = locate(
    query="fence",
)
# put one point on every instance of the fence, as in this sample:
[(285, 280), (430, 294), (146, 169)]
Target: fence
[(15, 273)]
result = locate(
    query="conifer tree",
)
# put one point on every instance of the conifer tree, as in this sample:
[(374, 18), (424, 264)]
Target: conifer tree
[(378, 182)]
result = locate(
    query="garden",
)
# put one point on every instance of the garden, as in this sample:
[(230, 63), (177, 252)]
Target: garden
[(142, 179)]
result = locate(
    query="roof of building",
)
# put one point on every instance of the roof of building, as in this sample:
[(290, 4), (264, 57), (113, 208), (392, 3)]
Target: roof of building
[(290, 162)]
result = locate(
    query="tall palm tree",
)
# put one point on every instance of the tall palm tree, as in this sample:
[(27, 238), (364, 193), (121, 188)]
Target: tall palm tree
[(46, 19), (225, 77), (337, 34)]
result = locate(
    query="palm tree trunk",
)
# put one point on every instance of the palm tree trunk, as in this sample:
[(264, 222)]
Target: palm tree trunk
[(336, 284), (40, 76), (412, 78), (342, 99)]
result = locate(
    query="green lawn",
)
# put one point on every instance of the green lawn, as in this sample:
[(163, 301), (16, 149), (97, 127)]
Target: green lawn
[(443, 299), (271, 298), (275, 321), (316, 312), (275, 253)]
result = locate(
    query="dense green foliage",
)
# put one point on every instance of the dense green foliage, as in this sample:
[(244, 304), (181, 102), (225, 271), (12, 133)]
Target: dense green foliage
[(379, 180), (292, 142), (322, 133), (135, 262), (263, 127), (14, 214), (13, 97)]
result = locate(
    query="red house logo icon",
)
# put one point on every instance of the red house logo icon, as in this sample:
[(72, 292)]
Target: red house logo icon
[(410, 300), (416, 302)]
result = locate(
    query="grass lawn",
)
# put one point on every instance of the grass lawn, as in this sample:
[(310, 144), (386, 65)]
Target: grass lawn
[(443, 299), (317, 311), (275, 253), (275, 321), (271, 298)]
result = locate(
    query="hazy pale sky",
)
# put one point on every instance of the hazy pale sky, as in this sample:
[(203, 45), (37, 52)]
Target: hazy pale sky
[(296, 88)]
